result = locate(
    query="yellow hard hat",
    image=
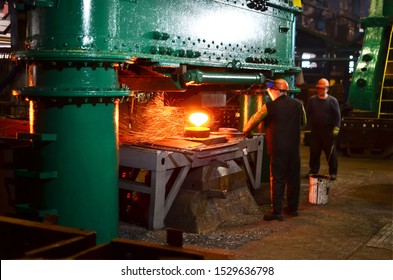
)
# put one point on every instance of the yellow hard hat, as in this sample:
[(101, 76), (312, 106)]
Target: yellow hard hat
[(281, 84), (323, 83)]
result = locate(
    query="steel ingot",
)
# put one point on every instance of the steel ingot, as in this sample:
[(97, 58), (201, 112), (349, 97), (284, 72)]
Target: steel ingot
[(197, 132)]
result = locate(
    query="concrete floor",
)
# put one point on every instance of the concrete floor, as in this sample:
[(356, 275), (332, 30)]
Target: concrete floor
[(355, 224)]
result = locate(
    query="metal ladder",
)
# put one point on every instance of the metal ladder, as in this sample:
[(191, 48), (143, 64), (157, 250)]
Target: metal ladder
[(385, 110)]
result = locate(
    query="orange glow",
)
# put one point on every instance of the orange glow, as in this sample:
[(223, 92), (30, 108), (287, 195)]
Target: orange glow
[(31, 116), (116, 119), (198, 119)]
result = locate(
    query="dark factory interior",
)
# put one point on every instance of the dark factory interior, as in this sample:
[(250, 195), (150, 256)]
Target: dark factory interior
[(122, 123)]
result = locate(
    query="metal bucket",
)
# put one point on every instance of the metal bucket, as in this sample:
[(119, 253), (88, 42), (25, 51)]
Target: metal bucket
[(319, 189)]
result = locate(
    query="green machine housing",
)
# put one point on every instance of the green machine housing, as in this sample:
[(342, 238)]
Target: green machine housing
[(368, 129), (79, 54)]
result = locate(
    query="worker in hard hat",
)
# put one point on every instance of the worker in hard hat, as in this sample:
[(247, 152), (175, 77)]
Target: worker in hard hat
[(283, 118), (324, 115)]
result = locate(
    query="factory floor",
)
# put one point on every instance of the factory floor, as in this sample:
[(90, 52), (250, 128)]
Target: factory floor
[(355, 224)]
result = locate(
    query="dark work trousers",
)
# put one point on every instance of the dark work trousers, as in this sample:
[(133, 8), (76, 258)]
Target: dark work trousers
[(286, 163), (322, 139)]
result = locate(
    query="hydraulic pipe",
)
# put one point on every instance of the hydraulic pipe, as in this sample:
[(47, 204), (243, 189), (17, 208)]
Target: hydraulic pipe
[(199, 77)]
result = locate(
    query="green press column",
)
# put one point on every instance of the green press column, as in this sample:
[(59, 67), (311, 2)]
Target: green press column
[(249, 105), (366, 82), (73, 92)]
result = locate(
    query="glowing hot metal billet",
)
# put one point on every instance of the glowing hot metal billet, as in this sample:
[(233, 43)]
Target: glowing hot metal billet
[(197, 131)]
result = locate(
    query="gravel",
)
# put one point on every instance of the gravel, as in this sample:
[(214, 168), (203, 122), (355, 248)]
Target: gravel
[(230, 235)]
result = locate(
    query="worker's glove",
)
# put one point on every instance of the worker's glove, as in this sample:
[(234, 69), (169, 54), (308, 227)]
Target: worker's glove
[(247, 134), (336, 130)]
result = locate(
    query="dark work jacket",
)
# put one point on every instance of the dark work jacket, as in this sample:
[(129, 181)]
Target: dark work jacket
[(323, 113), (283, 123)]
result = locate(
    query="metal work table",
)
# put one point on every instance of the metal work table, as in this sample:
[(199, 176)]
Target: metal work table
[(163, 157)]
